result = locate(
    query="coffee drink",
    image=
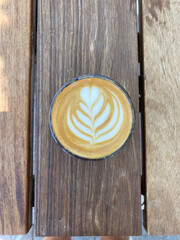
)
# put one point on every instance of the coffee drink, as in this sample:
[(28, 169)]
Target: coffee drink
[(92, 117)]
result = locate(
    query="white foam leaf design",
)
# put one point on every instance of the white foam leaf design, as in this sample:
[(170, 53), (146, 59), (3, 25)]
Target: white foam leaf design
[(84, 119), (76, 131), (91, 116), (113, 119), (84, 108), (101, 119), (97, 108)]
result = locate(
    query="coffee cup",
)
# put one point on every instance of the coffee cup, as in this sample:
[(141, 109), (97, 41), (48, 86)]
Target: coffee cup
[(92, 117)]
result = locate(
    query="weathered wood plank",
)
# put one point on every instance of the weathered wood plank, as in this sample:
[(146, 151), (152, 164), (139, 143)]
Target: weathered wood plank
[(74, 197), (15, 26), (101, 238), (114, 238), (57, 238), (161, 33)]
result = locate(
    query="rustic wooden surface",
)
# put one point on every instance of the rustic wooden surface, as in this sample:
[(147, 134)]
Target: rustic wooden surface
[(114, 238), (75, 197), (15, 25), (101, 238), (161, 31), (57, 238)]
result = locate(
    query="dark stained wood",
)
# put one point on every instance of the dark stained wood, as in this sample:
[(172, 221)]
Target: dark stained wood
[(57, 238), (114, 238), (101, 238), (76, 197), (15, 61), (161, 34)]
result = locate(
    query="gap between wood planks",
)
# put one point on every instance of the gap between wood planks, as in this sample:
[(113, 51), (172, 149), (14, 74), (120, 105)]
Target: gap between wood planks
[(141, 97), (141, 110), (33, 97)]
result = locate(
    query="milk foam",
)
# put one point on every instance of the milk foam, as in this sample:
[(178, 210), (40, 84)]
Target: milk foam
[(93, 112)]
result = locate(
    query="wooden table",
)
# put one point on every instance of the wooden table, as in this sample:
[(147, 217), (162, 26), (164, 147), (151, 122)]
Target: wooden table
[(37, 56)]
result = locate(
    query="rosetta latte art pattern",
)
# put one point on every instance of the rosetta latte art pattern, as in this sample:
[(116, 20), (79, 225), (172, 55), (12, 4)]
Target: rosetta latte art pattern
[(95, 122), (92, 117)]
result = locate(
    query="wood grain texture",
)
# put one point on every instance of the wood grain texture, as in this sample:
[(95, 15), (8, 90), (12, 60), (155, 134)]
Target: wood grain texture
[(76, 197), (57, 238), (15, 26), (161, 32), (101, 238), (114, 238)]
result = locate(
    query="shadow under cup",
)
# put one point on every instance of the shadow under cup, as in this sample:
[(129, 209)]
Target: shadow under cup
[(92, 117)]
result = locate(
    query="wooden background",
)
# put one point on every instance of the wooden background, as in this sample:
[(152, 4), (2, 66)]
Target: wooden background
[(15, 60), (74, 197), (161, 34), (74, 38)]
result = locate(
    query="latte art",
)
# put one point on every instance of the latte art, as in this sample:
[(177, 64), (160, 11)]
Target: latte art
[(92, 117)]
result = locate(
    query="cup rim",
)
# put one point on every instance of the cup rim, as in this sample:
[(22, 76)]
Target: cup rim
[(78, 79)]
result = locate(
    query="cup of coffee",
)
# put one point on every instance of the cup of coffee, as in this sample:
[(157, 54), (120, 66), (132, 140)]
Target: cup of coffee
[(92, 117)]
